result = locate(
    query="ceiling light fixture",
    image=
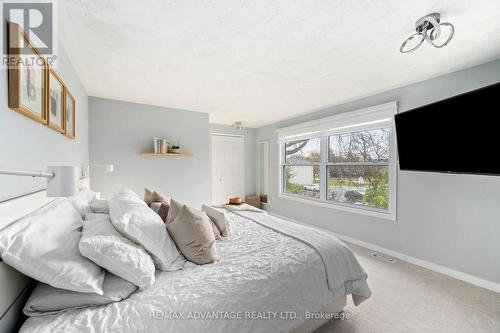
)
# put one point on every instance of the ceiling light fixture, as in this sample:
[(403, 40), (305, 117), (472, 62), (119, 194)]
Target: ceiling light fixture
[(428, 28), (238, 125)]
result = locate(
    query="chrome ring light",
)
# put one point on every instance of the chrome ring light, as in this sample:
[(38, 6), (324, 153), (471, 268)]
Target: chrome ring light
[(428, 28)]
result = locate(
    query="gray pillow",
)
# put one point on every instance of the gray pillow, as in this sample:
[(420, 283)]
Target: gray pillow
[(46, 300), (192, 232)]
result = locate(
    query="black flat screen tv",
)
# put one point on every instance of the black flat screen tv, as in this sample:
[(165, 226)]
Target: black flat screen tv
[(457, 135)]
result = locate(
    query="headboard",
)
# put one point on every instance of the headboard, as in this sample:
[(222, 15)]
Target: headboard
[(16, 287)]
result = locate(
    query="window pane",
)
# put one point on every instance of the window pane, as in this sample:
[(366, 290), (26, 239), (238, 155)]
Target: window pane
[(364, 146), (303, 151), (302, 180), (365, 185)]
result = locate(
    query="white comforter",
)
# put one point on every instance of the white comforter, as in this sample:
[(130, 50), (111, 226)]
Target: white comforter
[(263, 278)]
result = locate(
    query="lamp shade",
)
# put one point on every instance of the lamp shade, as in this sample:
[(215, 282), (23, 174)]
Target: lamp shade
[(65, 182)]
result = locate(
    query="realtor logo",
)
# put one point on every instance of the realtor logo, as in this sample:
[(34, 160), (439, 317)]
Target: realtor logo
[(37, 21)]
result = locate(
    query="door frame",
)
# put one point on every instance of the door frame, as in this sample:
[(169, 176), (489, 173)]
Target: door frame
[(212, 161), (266, 167)]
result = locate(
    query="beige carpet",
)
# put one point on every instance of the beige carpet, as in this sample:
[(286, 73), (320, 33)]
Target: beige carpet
[(407, 298)]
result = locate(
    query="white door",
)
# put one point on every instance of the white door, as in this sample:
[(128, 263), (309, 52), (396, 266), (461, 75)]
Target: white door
[(227, 168)]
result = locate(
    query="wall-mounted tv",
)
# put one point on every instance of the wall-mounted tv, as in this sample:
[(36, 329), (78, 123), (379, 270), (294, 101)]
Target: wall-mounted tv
[(457, 135)]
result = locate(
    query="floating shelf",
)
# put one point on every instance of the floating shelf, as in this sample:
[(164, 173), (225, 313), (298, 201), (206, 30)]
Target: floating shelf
[(182, 154)]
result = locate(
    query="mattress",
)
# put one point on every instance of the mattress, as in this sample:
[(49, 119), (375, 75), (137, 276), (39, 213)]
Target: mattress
[(265, 281)]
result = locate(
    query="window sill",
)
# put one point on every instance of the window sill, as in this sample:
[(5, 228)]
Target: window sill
[(331, 205)]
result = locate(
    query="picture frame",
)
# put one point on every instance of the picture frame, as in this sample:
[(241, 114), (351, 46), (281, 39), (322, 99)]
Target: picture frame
[(27, 80), (69, 115), (55, 101)]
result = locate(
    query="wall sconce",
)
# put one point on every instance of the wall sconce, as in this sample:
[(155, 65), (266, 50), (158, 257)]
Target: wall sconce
[(62, 181), (107, 167)]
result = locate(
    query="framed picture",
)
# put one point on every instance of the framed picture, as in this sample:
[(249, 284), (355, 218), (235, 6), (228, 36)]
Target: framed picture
[(27, 79), (69, 115), (55, 105)]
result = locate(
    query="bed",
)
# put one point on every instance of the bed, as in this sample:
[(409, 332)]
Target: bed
[(269, 279)]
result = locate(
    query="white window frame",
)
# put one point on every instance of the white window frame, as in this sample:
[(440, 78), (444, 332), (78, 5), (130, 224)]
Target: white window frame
[(319, 164), (380, 116)]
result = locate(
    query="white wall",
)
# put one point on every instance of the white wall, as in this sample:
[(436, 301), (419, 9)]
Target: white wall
[(250, 153), (449, 220), (26, 144), (119, 131)]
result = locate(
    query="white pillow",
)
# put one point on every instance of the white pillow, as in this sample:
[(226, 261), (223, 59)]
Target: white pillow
[(44, 246), (45, 300), (219, 219), (99, 206), (105, 246), (135, 220), (82, 200)]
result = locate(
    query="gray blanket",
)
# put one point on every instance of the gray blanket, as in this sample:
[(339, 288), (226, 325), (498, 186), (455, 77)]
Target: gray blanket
[(342, 268)]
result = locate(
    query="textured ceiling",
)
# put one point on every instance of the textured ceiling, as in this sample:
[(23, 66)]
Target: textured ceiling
[(261, 61)]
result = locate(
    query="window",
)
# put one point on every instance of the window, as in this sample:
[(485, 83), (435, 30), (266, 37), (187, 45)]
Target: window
[(358, 168), (345, 162), (301, 168)]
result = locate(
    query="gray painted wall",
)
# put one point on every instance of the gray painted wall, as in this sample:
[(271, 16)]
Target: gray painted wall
[(26, 144), (450, 220), (250, 153), (119, 131)]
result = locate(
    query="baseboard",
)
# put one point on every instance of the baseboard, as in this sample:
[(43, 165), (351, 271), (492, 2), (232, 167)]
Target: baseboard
[(477, 281)]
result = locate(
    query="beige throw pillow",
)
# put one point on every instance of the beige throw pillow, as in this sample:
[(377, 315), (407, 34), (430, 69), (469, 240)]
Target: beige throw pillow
[(219, 219), (216, 230), (192, 232), (161, 208), (163, 211), (152, 196), (174, 209), (155, 206), (148, 196), (157, 197)]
